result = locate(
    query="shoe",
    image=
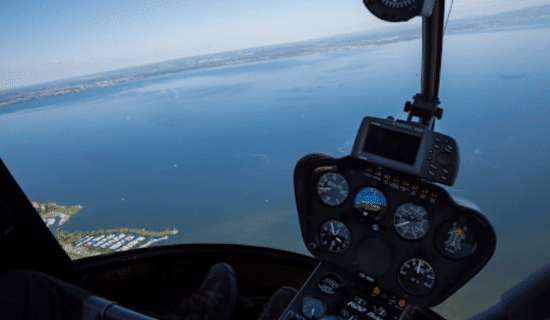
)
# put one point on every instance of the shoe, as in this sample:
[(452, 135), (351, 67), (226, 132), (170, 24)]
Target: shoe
[(216, 298), (278, 303)]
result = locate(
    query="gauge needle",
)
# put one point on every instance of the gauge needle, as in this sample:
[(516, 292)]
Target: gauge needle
[(418, 269), (402, 224), (332, 228), (324, 189)]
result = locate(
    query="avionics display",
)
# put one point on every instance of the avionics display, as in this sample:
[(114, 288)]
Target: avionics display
[(393, 145), (408, 147)]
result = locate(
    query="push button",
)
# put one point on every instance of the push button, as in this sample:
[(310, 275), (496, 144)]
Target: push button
[(449, 150), (433, 166), (445, 171), (436, 139), (436, 146), (430, 158), (443, 159), (431, 173), (443, 178)]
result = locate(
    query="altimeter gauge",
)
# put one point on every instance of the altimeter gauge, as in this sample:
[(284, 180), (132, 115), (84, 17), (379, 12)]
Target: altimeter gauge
[(332, 188), (417, 277), (411, 221), (334, 236)]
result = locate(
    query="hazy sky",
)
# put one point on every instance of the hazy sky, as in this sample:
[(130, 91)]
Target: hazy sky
[(49, 40)]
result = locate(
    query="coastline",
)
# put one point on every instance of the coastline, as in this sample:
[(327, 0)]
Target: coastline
[(81, 244)]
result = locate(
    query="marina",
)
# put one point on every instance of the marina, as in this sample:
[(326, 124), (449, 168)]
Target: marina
[(118, 242)]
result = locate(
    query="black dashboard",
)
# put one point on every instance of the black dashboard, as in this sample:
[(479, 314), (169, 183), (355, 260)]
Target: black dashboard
[(386, 240)]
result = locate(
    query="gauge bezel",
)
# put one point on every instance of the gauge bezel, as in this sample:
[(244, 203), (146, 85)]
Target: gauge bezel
[(377, 216), (321, 303), (399, 276), (319, 195), (345, 245), (332, 275), (402, 234), (441, 231)]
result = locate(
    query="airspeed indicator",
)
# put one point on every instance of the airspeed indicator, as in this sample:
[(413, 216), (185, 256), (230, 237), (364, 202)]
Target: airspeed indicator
[(332, 188)]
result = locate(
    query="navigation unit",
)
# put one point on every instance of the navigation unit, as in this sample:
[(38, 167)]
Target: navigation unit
[(408, 147)]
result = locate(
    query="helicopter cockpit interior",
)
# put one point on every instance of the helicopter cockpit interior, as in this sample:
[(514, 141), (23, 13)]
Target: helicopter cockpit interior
[(389, 242)]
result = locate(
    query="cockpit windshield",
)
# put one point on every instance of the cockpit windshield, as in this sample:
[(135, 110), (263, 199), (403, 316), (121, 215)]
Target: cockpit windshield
[(142, 124)]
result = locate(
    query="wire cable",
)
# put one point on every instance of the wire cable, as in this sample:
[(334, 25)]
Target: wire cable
[(448, 15)]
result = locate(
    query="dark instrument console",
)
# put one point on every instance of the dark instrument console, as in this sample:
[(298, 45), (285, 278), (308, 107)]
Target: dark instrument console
[(386, 240)]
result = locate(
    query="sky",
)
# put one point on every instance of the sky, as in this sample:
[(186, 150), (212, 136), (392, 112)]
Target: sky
[(43, 41)]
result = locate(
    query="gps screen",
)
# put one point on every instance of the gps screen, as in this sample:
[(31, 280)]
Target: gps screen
[(391, 144)]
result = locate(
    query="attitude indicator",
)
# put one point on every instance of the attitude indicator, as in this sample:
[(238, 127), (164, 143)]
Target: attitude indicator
[(371, 202), (332, 188)]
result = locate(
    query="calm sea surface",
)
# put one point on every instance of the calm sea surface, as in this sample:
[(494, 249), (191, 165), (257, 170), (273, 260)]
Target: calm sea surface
[(212, 152)]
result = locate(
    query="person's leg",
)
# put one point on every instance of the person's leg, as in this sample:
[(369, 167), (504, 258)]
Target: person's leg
[(215, 300), (28, 294), (278, 303)]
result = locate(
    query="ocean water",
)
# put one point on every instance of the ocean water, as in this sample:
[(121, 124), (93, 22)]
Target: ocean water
[(212, 152)]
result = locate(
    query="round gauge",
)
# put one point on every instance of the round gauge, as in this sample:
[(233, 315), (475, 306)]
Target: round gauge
[(335, 236), (332, 188), (398, 3), (371, 202), (411, 221), (455, 240), (313, 308), (329, 284), (417, 277)]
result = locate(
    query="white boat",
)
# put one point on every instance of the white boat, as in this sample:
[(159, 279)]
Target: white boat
[(100, 242)]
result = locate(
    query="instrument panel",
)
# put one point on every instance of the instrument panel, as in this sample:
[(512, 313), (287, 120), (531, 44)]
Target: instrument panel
[(412, 238)]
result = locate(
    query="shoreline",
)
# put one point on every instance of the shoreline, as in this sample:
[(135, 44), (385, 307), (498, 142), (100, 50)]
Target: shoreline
[(81, 244)]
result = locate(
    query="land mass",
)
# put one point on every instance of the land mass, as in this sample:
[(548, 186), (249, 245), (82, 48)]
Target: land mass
[(525, 17), (81, 244)]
